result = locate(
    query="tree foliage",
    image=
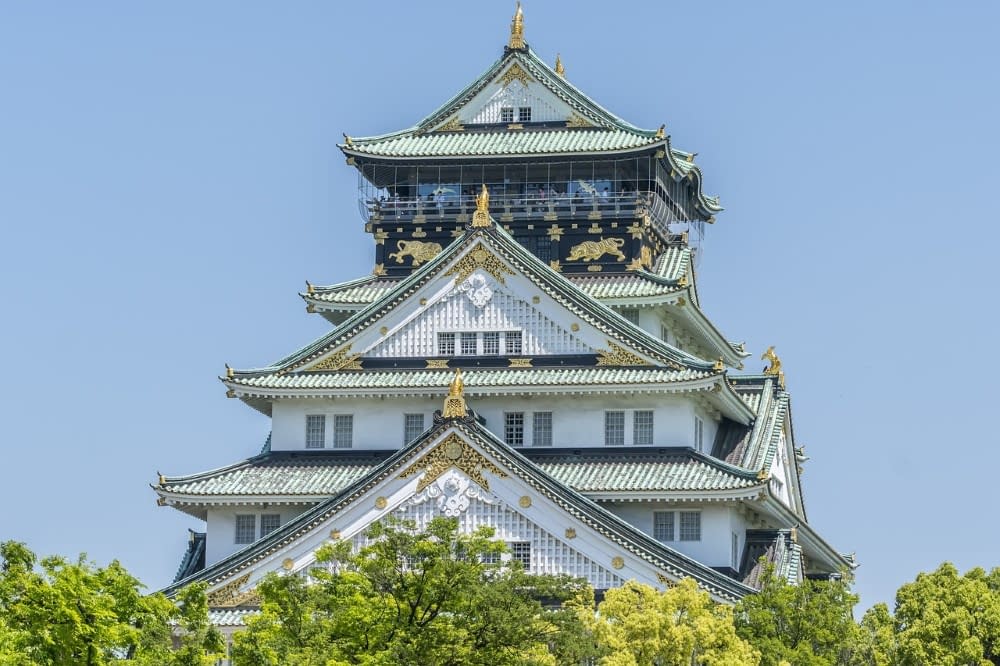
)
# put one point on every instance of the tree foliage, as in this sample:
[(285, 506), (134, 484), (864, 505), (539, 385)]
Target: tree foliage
[(810, 624), (640, 626), (57, 612), (412, 596)]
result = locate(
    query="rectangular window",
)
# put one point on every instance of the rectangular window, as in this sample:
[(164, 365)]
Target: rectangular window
[(541, 429), (506, 114), (524, 114), (491, 343), (665, 333), (690, 526), (413, 425), (632, 314), (513, 428), (512, 342), (543, 249), (343, 431), (663, 525), (468, 344), (614, 428), (736, 551), (315, 431), (642, 427), (268, 523), (699, 433), (520, 551), (446, 344), (246, 528)]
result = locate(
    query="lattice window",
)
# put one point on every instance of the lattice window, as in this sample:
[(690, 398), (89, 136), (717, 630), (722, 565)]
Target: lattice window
[(268, 523), (735, 552), (343, 431), (246, 528), (446, 344), (520, 551), (413, 426), (663, 525), (512, 343), (315, 431), (524, 114), (632, 314), (513, 428), (614, 428), (506, 114), (541, 429), (469, 344), (699, 434), (690, 526), (665, 333), (491, 343), (642, 427)]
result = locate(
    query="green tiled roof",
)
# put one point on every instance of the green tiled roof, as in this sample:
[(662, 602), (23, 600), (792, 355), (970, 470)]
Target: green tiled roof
[(478, 381), (320, 474), (506, 143)]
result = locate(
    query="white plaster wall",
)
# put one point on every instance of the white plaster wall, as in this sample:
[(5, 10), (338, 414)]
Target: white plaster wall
[(577, 421), (718, 522), (220, 528)]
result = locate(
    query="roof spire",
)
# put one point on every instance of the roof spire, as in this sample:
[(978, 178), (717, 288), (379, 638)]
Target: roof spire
[(454, 404), (517, 29), (560, 70), (774, 366), (481, 218)]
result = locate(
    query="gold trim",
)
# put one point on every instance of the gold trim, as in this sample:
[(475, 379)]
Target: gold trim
[(334, 534), (594, 268), (452, 125), (617, 562), (342, 359), (574, 327), (229, 372), (555, 232), (663, 580), (310, 289), (287, 564), (636, 230), (348, 142), (229, 595), (437, 363), (595, 228), (418, 232), (230, 393), (478, 258), (555, 265), (381, 502), (661, 133), (520, 363), (524, 502), (774, 366), (379, 270), (593, 250), (515, 126), (418, 251), (383, 330), (452, 452), (423, 301), (763, 475), (514, 73), (560, 70), (644, 260), (719, 365), (617, 355), (536, 299), (570, 533), (310, 308), (517, 29)]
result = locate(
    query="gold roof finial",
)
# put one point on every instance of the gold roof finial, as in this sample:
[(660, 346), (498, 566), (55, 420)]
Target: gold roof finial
[(774, 366), (310, 288), (229, 372), (481, 218), (348, 141), (661, 133), (454, 404), (560, 70), (517, 29)]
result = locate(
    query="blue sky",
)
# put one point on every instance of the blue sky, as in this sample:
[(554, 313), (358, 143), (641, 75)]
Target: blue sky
[(169, 178)]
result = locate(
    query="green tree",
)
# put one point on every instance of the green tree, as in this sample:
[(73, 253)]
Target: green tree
[(56, 612), (941, 618), (682, 626), (411, 596), (810, 624)]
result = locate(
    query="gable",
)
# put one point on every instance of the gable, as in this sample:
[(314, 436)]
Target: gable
[(475, 305), (514, 89)]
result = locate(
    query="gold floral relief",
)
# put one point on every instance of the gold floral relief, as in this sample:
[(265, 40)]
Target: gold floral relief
[(452, 452)]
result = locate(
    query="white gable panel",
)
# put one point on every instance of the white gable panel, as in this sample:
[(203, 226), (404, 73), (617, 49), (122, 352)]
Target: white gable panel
[(479, 304), (485, 107)]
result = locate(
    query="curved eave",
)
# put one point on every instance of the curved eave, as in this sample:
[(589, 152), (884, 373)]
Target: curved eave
[(357, 152), (677, 496), (815, 546)]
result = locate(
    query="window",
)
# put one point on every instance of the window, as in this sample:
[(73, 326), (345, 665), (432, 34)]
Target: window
[(506, 114), (413, 425), (513, 428), (699, 433), (446, 344), (665, 333), (343, 431), (468, 344), (735, 554), (268, 523), (541, 429), (491, 343), (663, 525), (524, 116), (520, 551), (632, 314), (315, 431), (246, 528), (642, 431), (690, 526), (512, 340), (614, 428)]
